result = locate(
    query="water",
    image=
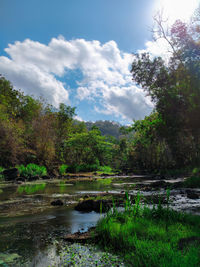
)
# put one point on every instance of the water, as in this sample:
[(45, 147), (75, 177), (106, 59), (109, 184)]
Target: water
[(32, 231)]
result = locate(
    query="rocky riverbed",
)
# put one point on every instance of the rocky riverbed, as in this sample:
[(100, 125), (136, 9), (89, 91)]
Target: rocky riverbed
[(34, 216)]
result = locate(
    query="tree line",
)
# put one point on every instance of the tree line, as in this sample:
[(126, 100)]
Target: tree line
[(33, 131)]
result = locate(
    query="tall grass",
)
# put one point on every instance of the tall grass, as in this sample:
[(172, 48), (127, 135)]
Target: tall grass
[(32, 170), (150, 237)]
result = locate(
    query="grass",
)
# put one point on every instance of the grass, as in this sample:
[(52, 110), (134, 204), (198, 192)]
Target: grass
[(151, 237), (32, 170)]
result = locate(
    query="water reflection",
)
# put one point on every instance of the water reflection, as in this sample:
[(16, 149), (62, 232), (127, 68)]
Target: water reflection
[(31, 188), (30, 236)]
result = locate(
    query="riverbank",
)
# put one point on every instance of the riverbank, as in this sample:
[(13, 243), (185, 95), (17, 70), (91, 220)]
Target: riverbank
[(151, 237)]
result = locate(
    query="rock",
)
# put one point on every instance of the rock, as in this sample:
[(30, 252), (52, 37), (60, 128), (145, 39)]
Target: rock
[(191, 194), (46, 177), (80, 237), (20, 179), (11, 174), (93, 205), (159, 184), (57, 202), (34, 178)]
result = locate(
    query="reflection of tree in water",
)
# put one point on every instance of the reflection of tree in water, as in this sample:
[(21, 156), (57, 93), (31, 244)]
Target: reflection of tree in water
[(30, 189)]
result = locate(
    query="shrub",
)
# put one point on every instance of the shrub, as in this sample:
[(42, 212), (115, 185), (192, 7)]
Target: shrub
[(63, 168), (196, 171), (1, 174), (105, 169), (32, 170), (83, 168)]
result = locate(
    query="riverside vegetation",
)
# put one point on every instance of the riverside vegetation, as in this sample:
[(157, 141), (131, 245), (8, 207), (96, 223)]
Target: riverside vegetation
[(151, 237)]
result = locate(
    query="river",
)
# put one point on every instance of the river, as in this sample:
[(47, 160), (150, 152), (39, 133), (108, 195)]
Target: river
[(32, 230)]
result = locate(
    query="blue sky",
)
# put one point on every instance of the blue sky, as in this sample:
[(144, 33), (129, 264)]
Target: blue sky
[(78, 52)]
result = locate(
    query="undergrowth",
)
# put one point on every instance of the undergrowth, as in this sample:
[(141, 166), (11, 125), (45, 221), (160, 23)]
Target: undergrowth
[(151, 237)]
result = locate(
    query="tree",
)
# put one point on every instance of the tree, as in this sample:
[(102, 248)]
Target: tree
[(174, 87)]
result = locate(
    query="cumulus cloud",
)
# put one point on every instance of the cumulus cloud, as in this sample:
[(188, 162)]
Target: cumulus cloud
[(38, 68)]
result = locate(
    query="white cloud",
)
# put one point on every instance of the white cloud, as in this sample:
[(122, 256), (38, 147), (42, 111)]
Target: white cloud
[(159, 47), (36, 68)]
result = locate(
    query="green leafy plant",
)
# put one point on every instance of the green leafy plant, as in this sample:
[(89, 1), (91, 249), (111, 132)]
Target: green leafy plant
[(104, 168), (63, 168), (32, 170)]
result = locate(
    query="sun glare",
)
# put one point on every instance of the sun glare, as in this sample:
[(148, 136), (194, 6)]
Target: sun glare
[(177, 9)]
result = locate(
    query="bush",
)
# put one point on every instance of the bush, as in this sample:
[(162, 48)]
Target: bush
[(196, 171), (63, 168), (1, 174), (32, 170), (83, 168), (107, 169)]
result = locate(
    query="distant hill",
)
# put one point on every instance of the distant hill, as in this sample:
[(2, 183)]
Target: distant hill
[(106, 127)]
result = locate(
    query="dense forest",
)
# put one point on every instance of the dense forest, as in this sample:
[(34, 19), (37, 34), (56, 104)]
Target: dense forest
[(33, 131)]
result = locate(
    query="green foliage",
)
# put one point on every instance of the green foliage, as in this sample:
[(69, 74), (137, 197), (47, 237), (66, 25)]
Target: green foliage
[(32, 170), (1, 174), (105, 169), (63, 169), (196, 171), (83, 168), (172, 139), (141, 236), (88, 148)]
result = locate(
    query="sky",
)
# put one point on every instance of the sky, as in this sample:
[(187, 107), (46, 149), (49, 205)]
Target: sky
[(79, 52)]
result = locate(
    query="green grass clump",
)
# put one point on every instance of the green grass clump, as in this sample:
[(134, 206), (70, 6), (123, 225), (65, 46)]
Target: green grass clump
[(151, 237), (32, 170), (192, 182), (1, 174), (63, 168)]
